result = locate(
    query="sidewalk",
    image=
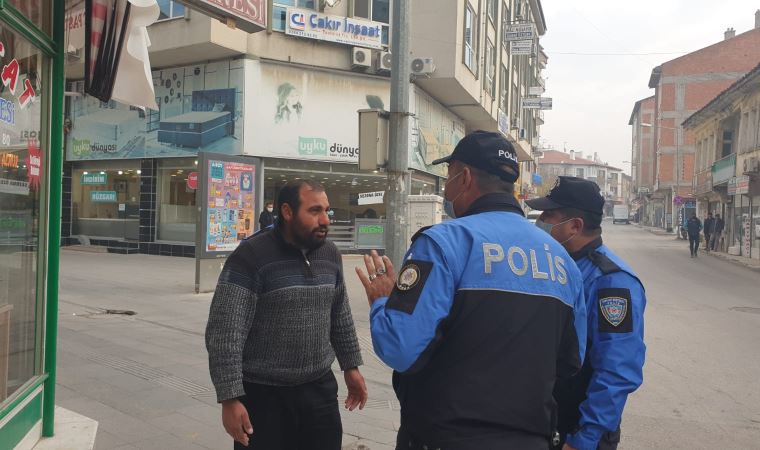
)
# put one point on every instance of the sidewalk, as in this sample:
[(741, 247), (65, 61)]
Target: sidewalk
[(749, 263), (144, 377)]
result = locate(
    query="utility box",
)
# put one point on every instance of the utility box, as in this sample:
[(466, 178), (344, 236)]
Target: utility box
[(424, 210), (373, 139)]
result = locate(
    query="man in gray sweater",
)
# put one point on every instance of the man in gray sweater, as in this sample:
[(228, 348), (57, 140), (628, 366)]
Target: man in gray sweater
[(279, 318)]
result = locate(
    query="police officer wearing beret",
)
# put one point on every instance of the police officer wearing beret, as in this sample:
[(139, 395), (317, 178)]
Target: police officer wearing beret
[(591, 403), (486, 312)]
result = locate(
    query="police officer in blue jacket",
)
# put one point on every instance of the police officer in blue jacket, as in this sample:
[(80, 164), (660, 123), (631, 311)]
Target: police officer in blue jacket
[(591, 403), (486, 312)]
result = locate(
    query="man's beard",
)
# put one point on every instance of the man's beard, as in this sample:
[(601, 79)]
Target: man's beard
[(308, 238)]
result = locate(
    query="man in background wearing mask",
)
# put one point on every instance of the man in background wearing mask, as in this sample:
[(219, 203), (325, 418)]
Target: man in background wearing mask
[(266, 218), (487, 311), (591, 403)]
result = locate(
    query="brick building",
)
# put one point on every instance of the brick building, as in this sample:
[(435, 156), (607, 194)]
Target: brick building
[(643, 160), (683, 86)]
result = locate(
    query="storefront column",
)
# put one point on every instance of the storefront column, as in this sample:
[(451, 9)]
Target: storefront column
[(148, 172)]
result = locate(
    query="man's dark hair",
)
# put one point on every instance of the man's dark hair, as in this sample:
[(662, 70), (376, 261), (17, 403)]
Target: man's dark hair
[(291, 194), (488, 182), (592, 222)]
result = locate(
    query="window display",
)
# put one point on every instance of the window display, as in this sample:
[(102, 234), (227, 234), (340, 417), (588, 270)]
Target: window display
[(22, 162), (177, 183)]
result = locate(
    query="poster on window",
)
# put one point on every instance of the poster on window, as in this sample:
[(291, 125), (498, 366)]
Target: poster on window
[(230, 204), (200, 109)]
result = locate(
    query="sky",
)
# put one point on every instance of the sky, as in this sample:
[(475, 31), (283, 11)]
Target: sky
[(593, 95)]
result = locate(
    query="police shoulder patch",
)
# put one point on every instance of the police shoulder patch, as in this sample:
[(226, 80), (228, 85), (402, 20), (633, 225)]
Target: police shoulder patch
[(614, 310), (409, 284)]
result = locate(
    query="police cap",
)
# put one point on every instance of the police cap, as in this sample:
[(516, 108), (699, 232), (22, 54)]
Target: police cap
[(571, 192), (487, 151)]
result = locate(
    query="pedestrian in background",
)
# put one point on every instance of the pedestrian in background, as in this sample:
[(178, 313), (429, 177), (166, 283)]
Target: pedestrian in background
[(591, 403), (267, 216), (718, 227), (487, 311), (693, 228), (709, 227), (279, 318)]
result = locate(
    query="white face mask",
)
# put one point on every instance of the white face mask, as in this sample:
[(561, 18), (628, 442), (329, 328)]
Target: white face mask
[(270, 209)]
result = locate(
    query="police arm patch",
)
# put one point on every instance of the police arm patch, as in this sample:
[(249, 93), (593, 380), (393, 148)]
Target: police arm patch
[(409, 284), (615, 310)]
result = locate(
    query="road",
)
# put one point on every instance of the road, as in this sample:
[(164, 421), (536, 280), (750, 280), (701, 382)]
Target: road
[(144, 377)]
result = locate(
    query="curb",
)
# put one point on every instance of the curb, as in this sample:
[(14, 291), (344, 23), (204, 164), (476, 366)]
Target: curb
[(735, 262)]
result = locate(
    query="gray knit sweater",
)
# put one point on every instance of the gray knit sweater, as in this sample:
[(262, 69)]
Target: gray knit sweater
[(279, 316)]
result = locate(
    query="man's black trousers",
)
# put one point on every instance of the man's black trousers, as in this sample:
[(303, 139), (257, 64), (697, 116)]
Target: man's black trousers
[(694, 243), (707, 241), (301, 417)]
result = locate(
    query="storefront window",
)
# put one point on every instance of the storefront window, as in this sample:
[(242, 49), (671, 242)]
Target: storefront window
[(105, 200), (34, 11), (22, 162), (177, 182)]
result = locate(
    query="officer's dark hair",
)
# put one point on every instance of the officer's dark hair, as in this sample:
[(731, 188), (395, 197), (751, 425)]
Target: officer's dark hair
[(291, 194), (592, 222), (488, 182)]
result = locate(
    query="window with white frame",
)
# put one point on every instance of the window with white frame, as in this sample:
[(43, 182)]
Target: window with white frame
[(504, 91), (470, 58), (280, 11), (490, 68), (376, 11), (170, 9), (579, 172)]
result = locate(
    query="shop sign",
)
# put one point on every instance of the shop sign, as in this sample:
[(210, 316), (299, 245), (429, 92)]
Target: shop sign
[(248, 15), (309, 24), (94, 178), (9, 160), (16, 187), (519, 31), (34, 164), (742, 185), (747, 237), (537, 103), (369, 233), (10, 76), (192, 180), (291, 121), (371, 198), (103, 196), (521, 48), (536, 90)]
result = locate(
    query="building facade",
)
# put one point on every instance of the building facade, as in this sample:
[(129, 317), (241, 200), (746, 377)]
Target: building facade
[(683, 86), (288, 96), (647, 205), (727, 179), (612, 184)]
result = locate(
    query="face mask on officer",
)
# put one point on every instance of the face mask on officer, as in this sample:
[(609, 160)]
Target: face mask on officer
[(448, 205), (549, 227)]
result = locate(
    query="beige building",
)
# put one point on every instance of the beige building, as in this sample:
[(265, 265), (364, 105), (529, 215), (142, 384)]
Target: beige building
[(289, 95), (727, 179)]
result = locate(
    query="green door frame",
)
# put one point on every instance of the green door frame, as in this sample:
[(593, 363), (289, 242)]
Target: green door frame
[(53, 48)]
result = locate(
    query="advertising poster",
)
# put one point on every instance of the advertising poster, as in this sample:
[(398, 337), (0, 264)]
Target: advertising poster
[(435, 132), (200, 110), (289, 109), (230, 204)]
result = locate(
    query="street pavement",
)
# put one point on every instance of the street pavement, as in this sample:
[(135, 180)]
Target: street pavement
[(144, 377)]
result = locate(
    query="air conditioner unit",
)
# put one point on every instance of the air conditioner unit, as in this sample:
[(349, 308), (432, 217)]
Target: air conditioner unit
[(423, 66), (361, 58), (751, 165), (384, 62)]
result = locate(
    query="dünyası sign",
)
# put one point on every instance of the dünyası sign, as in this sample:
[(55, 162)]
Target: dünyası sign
[(342, 30)]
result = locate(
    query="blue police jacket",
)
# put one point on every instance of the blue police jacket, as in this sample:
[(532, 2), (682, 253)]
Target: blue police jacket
[(591, 403), (487, 312)]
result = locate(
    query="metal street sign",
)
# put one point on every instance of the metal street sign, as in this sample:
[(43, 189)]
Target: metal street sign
[(536, 90), (519, 48), (521, 31), (537, 103)]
